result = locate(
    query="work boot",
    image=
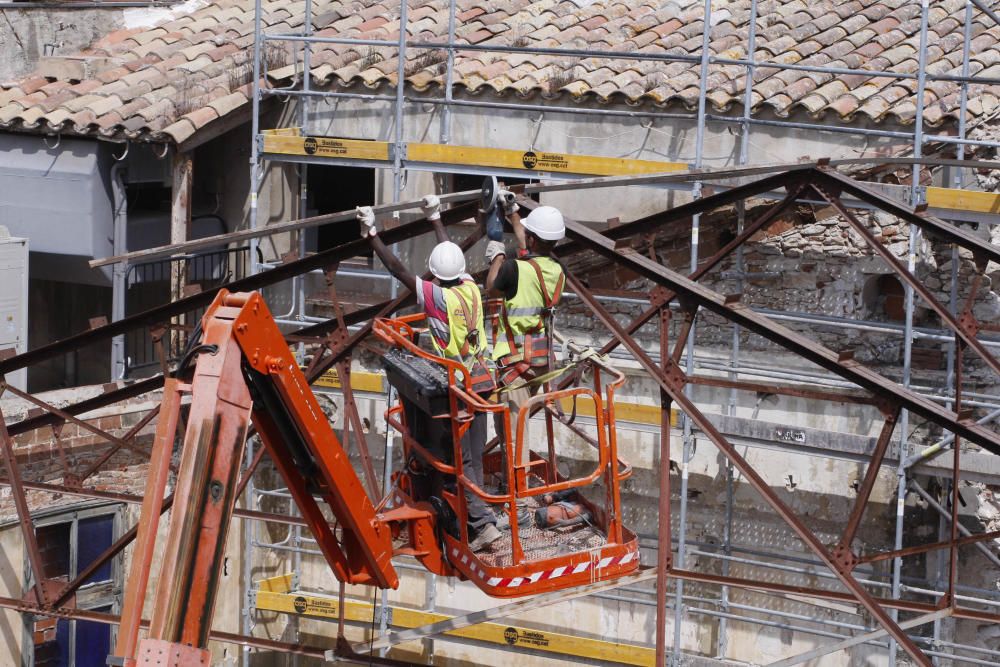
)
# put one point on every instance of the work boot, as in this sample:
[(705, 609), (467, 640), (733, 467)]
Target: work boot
[(523, 518), (487, 536)]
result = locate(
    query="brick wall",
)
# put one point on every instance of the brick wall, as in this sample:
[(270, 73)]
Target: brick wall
[(57, 454)]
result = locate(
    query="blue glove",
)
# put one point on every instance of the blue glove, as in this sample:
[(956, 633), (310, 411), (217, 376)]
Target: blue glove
[(494, 225)]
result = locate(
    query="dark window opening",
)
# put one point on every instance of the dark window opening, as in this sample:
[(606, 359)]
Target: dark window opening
[(334, 189), (68, 547), (884, 298)]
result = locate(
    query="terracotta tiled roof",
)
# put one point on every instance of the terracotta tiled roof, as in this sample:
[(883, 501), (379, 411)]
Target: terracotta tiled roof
[(168, 81)]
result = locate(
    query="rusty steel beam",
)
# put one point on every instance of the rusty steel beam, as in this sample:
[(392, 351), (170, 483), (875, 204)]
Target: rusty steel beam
[(115, 448), (164, 313), (671, 382), (764, 586), (100, 433), (651, 223), (965, 329), (215, 635), (103, 400), (21, 504), (933, 546), (837, 182), (664, 296), (131, 499), (781, 390), (808, 349), (865, 490)]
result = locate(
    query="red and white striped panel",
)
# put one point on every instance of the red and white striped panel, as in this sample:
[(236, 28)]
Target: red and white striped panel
[(554, 573)]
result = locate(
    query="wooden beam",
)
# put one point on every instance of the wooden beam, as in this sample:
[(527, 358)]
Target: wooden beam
[(180, 227)]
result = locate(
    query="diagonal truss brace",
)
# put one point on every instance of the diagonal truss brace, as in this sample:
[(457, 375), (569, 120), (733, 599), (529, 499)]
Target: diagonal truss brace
[(671, 382)]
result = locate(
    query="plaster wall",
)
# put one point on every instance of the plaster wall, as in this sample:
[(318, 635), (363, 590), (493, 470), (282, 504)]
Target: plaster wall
[(30, 34), (820, 491)]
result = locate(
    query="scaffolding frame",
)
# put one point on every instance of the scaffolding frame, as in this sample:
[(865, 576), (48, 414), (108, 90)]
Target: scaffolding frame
[(336, 338), (917, 139)]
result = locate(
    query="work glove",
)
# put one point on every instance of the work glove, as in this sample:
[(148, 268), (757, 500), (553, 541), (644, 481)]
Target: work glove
[(366, 216), (494, 225), (506, 200), (493, 249), (431, 207)]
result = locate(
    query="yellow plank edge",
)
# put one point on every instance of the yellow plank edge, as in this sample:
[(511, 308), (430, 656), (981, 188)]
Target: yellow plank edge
[(532, 160), (963, 200), (283, 132), (358, 149), (325, 607), (360, 381), (281, 583), (635, 413), (289, 141)]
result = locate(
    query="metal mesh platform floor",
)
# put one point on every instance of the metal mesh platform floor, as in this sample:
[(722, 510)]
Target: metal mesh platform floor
[(538, 544)]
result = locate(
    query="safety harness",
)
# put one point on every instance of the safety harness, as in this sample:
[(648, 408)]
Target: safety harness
[(476, 363), (531, 349)]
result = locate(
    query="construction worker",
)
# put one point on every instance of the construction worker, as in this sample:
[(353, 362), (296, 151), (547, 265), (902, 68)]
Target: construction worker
[(531, 286), (454, 310)]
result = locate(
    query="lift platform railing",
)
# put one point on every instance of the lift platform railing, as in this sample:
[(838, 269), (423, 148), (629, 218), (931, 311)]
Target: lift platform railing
[(464, 404)]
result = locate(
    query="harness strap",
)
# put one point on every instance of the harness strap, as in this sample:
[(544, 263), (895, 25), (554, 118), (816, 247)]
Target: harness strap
[(481, 379), (470, 323)]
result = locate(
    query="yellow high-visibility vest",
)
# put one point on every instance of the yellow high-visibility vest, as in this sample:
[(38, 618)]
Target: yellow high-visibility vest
[(523, 316), (462, 347)]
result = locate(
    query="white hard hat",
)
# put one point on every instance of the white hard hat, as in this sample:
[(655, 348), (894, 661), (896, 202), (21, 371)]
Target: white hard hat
[(446, 261), (546, 222)]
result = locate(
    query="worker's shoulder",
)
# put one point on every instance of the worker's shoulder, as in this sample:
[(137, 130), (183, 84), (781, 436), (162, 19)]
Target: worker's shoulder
[(529, 259)]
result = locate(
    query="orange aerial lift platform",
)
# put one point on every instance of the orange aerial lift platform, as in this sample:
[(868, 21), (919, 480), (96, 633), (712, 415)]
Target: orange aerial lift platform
[(242, 372)]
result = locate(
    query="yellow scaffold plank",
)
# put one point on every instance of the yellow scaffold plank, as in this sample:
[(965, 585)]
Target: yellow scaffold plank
[(963, 200), (540, 161), (325, 607), (635, 413), (360, 381), (357, 149), (283, 132)]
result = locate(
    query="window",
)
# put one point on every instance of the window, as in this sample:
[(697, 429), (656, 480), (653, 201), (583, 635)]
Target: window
[(333, 189), (883, 298), (68, 543)]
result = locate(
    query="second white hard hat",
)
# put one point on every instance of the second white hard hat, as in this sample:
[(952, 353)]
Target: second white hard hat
[(546, 222), (447, 261)]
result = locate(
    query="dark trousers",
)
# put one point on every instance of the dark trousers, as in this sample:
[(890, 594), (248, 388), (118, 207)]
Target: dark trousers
[(435, 436)]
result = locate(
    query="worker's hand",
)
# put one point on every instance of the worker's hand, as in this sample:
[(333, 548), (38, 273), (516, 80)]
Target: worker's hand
[(506, 201), (494, 249), (366, 216), (431, 207)]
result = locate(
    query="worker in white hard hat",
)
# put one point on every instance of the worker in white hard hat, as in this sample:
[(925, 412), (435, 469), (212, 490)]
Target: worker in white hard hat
[(454, 310), (531, 286)]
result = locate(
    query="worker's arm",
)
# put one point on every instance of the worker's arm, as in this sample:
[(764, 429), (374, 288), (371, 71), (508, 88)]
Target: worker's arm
[(431, 207), (514, 218), (496, 253), (491, 275), (367, 218)]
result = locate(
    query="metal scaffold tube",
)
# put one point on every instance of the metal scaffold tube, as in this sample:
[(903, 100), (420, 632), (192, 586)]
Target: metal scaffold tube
[(911, 264), (736, 368)]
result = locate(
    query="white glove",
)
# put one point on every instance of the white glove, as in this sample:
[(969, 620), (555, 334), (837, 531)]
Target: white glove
[(506, 201), (493, 249), (367, 217), (431, 207)]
